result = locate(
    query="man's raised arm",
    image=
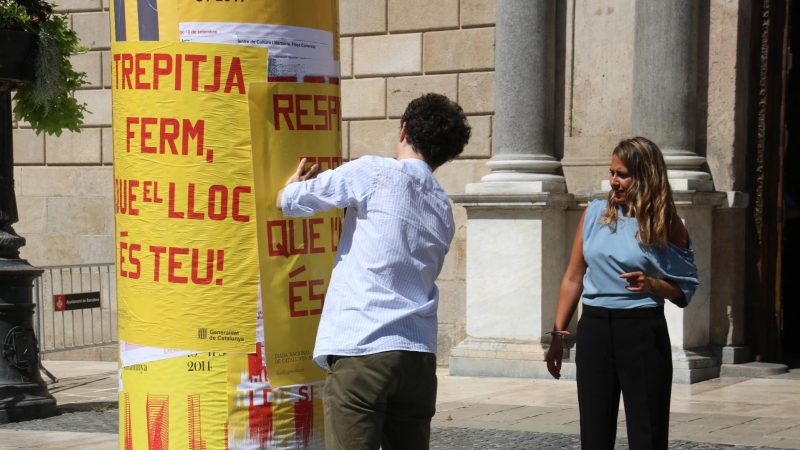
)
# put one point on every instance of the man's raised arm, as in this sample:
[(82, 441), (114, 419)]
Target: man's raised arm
[(308, 192)]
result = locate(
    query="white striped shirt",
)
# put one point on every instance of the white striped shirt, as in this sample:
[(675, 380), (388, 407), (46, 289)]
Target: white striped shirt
[(398, 228)]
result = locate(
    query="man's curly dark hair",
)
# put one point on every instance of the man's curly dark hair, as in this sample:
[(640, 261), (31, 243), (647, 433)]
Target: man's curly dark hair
[(436, 128)]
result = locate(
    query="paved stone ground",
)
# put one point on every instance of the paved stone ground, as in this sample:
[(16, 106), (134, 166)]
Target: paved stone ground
[(91, 418), (102, 418), (472, 414), (474, 439)]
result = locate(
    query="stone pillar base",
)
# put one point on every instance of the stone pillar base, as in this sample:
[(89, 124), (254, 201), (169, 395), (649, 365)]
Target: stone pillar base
[(495, 358), (683, 184), (497, 349), (532, 174), (685, 173), (517, 247), (753, 370), (517, 187), (507, 368), (507, 359), (731, 354), (694, 366)]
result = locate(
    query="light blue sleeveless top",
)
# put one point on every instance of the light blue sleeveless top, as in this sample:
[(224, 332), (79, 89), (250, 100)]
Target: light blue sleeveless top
[(609, 253)]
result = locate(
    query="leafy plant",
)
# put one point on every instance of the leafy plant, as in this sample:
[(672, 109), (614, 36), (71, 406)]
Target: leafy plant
[(14, 16), (103, 407), (48, 103)]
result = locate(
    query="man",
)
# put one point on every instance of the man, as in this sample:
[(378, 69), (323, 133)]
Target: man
[(377, 334)]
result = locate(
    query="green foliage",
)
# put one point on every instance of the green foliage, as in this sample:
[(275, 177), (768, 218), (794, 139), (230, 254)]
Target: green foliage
[(103, 407), (14, 16), (48, 104)]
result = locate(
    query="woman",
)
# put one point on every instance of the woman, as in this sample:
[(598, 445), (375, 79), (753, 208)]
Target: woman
[(631, 252)]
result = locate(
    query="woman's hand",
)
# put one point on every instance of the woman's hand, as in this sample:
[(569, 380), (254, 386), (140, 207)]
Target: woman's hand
[(554, 355), (638, 282)]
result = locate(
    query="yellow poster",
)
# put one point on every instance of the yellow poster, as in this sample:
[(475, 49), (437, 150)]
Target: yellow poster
[(289, 122), (264, 418), (178, 403), (187, 273)]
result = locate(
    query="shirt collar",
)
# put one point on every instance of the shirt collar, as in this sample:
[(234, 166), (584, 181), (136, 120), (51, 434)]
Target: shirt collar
[(419, 162)]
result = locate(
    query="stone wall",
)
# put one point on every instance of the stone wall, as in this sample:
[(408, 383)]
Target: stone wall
[(392, 52), (598, 88), (64, 184)]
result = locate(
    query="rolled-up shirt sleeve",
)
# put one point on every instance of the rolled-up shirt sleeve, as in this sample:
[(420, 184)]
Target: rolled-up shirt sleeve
[(346, 186)]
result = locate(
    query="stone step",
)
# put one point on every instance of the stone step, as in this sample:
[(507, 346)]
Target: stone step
[(792, 374), (752, 370), (520, 368)]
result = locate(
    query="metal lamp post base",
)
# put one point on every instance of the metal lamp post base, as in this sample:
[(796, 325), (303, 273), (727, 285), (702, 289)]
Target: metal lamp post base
[(23, 393)]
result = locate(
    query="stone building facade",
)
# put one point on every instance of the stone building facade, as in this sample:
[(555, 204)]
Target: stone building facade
[(396, 50), (573, 78), (64, 185)]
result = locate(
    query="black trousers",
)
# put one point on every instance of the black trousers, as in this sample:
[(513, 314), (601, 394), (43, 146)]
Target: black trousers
[(384, 400), (624, 350)]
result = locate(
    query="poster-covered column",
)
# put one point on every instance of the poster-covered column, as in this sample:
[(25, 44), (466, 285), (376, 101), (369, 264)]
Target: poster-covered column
[(184, 383), (184, 216)]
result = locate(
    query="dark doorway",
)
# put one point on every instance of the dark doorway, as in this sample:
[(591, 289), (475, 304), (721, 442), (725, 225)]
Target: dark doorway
[(772, 320), (790, 266)]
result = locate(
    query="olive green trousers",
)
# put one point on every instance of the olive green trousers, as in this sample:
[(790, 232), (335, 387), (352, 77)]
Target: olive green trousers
[(380, 401)]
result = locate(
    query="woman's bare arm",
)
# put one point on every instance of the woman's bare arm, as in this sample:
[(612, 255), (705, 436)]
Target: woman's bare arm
[(568, 297), (572, 284)]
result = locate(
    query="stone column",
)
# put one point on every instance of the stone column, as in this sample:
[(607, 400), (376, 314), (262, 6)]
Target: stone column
[(516, 216), (689, 328), (524, 121), (665, 86), (665, 111)]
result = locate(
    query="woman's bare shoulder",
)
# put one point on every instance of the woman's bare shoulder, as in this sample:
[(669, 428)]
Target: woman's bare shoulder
[(678, 234)]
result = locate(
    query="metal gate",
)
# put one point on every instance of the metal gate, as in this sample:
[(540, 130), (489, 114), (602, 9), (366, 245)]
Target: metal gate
[(76, 307)]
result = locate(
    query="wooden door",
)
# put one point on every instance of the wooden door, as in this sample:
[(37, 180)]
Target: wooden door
[(790, 224), (767, 143)]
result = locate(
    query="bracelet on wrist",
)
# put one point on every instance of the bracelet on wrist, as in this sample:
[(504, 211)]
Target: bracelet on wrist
[(560, 334), (656, 285)]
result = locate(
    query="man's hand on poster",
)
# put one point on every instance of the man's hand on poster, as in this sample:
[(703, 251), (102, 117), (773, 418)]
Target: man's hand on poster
[(301, 174)]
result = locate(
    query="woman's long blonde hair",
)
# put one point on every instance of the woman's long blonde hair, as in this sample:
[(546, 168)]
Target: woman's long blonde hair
[(649, 197)]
